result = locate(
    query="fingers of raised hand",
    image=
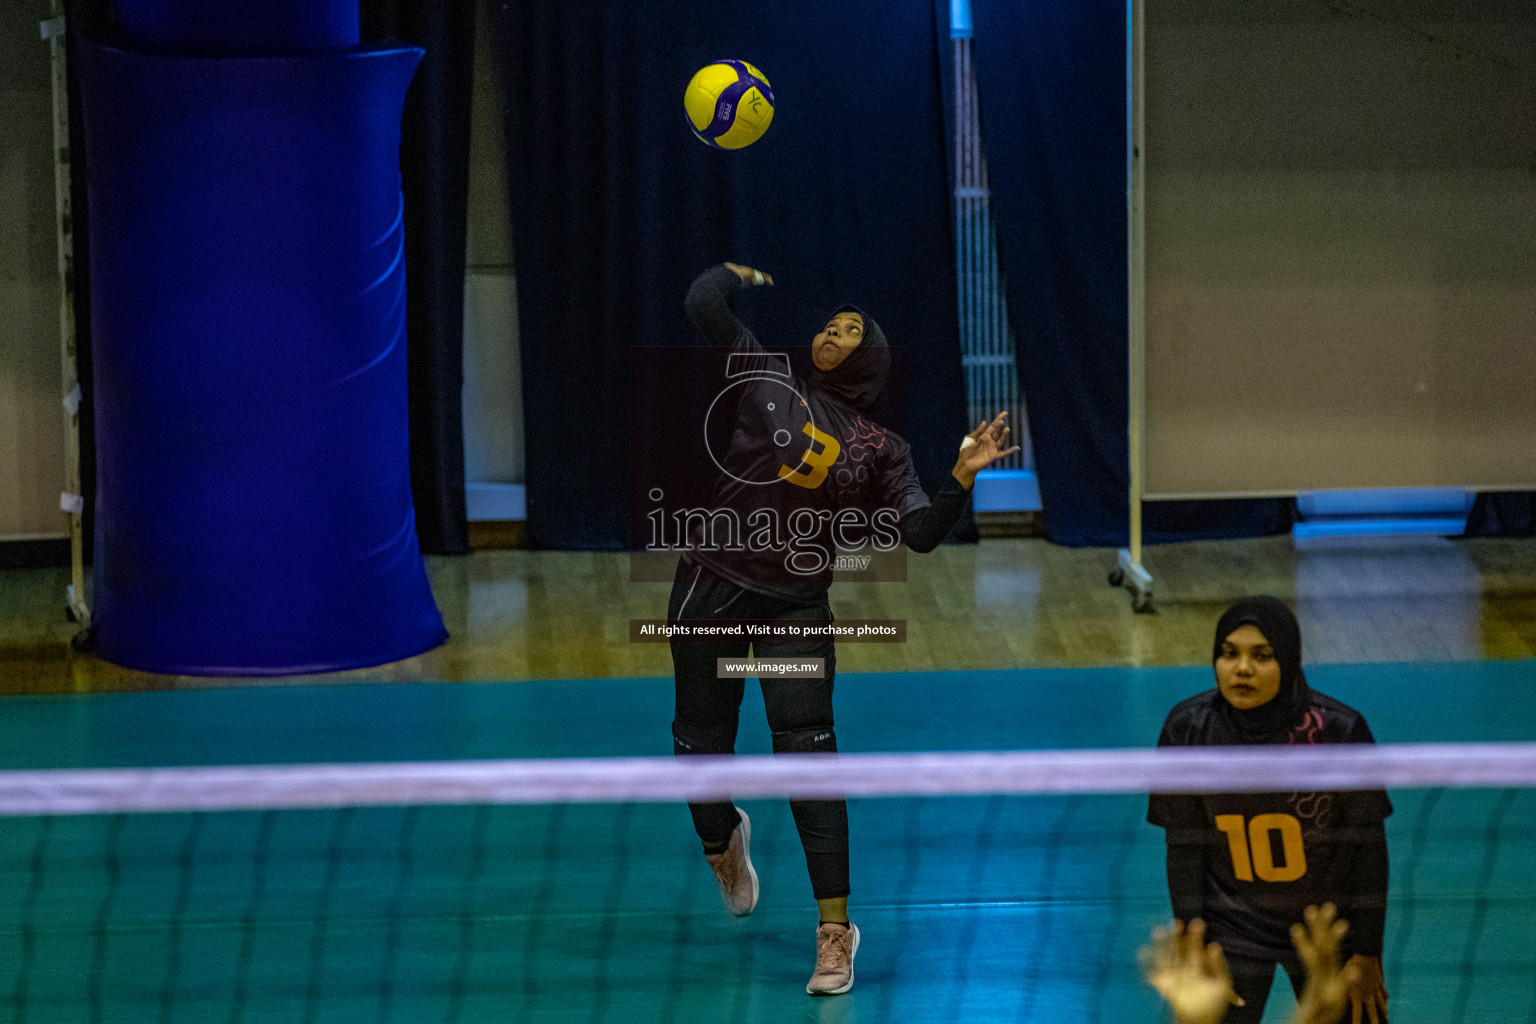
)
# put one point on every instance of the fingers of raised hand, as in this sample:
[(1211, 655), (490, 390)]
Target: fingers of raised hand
[(1193, 946), (1321, 935), (1303, 944), (991, 439), (1366, 987), (1159, 957), (1366, 1003), (749, 275), (1215, 964)]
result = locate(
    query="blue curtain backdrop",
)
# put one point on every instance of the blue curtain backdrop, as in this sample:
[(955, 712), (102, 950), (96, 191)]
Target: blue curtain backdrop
[(1052, 83), (617, 207), (434, 176)]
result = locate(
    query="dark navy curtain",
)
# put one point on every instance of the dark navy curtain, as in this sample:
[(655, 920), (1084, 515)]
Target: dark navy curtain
[(1503, 514), (434, 177), (617, 207), (1051, 77)]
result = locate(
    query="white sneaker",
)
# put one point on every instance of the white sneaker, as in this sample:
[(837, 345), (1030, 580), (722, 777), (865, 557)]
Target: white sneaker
[(733, 870), (836, 947)]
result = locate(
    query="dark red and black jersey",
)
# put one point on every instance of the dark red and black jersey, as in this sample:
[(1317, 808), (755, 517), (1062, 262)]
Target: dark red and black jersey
[(1268, 856), (801, 470)]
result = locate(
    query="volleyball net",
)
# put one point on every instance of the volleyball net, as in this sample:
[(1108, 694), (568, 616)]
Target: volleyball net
[(988, 886)]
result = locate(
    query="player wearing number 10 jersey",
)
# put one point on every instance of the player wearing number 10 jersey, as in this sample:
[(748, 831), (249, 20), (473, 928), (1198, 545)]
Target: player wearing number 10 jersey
[(1249, 864)]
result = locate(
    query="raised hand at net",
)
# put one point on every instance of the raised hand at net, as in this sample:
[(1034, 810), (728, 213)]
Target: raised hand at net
[(1329, 988), (1192, 977)]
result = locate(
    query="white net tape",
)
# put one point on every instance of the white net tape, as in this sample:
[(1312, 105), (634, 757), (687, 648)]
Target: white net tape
[(665, 779)]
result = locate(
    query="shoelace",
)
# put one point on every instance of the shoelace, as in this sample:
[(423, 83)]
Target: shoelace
[(834, 954), (726, 874)]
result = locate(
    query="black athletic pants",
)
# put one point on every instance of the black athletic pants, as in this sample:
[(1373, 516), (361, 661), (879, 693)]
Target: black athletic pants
[(799, 712)]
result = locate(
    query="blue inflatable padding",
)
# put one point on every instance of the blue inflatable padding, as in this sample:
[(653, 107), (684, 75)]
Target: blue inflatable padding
[(253, 508), (240, 26)]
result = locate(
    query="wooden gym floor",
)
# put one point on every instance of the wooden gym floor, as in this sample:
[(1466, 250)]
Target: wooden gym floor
[(998, 604)]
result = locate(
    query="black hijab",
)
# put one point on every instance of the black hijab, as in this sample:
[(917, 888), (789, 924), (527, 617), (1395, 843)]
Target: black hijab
[(1270, 722), (858, 380)]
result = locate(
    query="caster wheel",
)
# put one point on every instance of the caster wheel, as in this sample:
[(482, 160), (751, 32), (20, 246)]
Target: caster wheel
[(1141, 604), (1116, 577)]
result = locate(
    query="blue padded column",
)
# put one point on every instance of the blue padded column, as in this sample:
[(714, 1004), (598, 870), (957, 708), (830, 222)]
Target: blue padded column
[(231, 27), (253, 511)]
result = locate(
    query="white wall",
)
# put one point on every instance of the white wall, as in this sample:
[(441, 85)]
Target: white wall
[(1341, 279), (493, 401)]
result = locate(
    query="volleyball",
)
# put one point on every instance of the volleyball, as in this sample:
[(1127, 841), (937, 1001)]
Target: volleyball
[(729, 104)]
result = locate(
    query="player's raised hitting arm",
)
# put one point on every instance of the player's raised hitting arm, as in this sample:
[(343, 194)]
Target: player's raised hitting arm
[(749, 275), (838, 346), (709, 304)]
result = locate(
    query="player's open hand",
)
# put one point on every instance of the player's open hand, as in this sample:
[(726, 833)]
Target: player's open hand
[(1367, 989), (1192, 978), (1328, 986), (748, 275), (982, 447)]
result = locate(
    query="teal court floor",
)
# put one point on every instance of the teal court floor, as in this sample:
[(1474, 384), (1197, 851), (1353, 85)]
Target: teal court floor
[(972, 909)]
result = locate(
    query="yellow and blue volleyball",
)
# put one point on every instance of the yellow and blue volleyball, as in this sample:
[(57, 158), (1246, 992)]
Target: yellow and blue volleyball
[(729, 104)]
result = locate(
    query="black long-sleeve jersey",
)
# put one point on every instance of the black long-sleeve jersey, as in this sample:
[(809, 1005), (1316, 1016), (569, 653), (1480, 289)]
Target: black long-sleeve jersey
[(805, 472), (1250, 863)]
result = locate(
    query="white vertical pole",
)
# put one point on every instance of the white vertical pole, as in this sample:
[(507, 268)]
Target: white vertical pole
[(71, 501), (1128, 568), (1136, 199)]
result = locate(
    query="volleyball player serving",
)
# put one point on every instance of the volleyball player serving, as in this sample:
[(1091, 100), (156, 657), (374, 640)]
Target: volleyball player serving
[(803, 450), (1249, 864)]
